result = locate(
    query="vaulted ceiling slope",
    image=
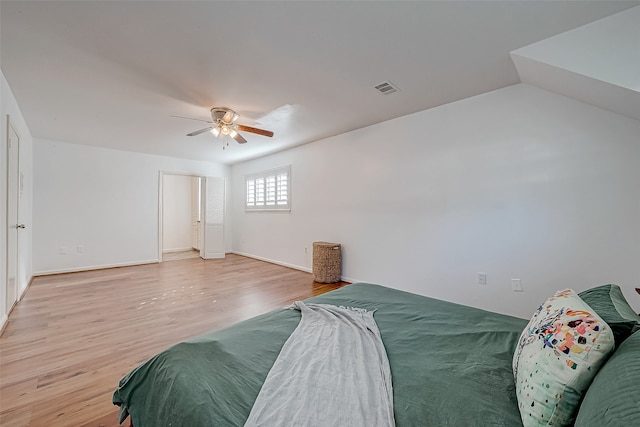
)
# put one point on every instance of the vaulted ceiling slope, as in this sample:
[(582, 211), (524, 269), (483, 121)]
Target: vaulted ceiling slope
[(111, 74), (598, 63)]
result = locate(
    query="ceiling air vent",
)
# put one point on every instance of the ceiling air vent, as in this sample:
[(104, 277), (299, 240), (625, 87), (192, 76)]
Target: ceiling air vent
[(386, 88)]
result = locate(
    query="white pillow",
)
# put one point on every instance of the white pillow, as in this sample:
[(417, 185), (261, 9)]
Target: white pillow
[(558, 354)]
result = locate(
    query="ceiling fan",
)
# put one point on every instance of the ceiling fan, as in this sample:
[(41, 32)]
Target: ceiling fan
[(224, 124)]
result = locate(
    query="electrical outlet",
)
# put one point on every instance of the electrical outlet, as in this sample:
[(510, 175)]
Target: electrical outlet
[(516, 285), (482, 278), (63, 250), (80, 249)]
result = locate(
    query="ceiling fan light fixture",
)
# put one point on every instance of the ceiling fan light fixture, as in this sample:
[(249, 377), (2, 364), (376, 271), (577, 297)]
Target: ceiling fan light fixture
[(223, 126)]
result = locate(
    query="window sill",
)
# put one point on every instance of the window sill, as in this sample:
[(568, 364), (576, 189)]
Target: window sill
[(285, 210)]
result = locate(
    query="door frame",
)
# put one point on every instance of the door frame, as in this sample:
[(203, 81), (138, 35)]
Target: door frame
[(161, 176), (18, 295)]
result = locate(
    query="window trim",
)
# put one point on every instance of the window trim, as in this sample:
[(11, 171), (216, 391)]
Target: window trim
[(272, 175)]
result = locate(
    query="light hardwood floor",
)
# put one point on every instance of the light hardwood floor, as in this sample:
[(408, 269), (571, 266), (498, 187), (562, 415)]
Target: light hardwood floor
[(73, 336), (178, 255)]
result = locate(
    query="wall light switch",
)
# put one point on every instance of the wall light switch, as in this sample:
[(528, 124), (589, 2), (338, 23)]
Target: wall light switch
[(516, 285), (482, 278)]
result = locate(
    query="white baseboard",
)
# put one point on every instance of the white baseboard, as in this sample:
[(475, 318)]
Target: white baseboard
[(128, 264), (24, 290), (350, 280), (285, 264), (21, 292), (273, 261), (3, 323), (94, 267)]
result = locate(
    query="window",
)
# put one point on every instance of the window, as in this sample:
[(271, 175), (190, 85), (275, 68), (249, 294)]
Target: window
[(269, 190)]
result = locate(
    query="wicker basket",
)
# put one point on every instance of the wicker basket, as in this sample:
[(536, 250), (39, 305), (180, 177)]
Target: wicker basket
[(327, 262)]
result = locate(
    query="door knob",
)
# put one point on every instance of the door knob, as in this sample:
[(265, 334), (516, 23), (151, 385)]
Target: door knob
[(21, 226)]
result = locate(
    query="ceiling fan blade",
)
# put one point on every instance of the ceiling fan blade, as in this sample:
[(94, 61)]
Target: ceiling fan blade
[(255, 130), (239, 138), (191, 118), (198, 132)]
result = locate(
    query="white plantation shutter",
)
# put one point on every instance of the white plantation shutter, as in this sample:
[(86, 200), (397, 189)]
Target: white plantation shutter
[(269, 190), (259, 191), (282, 194), (251, 192)]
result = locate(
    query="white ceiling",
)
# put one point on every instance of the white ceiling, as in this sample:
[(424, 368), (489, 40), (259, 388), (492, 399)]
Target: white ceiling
[(111, 74)]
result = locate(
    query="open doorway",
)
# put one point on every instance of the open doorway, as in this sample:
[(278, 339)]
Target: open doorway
[(181, 212), (191, 216)]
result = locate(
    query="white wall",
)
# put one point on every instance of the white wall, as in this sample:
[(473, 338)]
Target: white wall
[(105, 201), (597, 63), (176, 213), (9, 106), (606, 49), (516, 183)]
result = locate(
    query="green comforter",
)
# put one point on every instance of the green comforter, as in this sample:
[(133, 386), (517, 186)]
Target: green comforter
[(450, 365)]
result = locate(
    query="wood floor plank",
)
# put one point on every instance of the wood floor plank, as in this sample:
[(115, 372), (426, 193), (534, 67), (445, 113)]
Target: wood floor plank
[(73, 336)]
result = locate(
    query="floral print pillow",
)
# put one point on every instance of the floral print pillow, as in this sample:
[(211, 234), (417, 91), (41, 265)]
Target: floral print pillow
[(558, 354)]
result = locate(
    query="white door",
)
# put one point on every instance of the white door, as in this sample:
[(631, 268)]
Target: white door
[(13, 195), (213, 227), (196, 211)]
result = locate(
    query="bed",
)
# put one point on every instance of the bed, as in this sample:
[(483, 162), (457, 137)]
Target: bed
[(450, 364)]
